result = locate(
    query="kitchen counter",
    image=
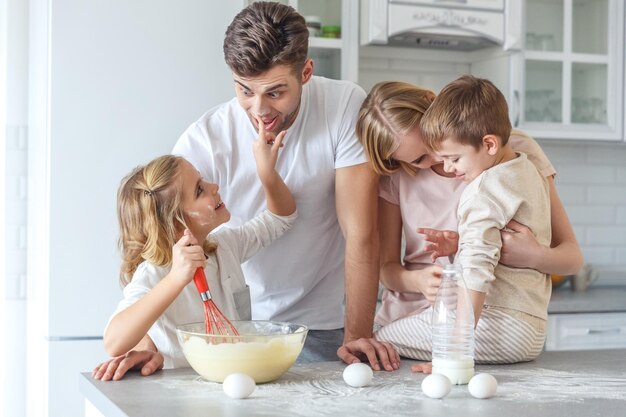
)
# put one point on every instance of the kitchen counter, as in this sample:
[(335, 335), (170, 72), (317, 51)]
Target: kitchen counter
[(568, 384), (592, 300)]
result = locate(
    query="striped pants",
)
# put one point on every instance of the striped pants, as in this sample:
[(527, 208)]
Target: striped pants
[(502, 336)]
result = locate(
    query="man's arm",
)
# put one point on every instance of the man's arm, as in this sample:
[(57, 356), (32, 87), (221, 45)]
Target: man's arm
[(356, 198)]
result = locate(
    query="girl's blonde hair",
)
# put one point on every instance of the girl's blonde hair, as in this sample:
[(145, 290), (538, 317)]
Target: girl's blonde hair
[(392, 108), (150, 215)]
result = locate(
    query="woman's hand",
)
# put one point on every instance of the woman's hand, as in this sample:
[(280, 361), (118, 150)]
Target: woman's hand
[(519, 246), (145, 361), (265, 150), (428, 280), (187, 256), (442, 242)]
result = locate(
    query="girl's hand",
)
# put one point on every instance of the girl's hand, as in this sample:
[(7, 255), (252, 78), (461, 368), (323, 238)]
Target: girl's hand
[(145, 361), (428, 281), (442, 242), (519, 245), (187, 256), (265, 150)]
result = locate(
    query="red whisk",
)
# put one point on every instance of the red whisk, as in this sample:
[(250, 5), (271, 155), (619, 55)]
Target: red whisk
[(215, 321)]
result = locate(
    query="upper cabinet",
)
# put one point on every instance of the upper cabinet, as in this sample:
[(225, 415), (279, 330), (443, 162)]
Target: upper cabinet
[(335, 50), (568, 79), (333, 39)]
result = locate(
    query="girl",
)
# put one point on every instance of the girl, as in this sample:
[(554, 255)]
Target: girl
[(415, 192), (166, 211)]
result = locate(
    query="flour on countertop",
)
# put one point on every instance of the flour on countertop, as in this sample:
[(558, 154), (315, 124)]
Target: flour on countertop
[(550, 385), (397, 391)]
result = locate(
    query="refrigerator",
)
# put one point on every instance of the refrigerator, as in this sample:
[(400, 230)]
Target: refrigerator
[(112, 84)]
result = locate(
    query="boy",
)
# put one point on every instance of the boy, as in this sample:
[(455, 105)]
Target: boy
[(467, 126)]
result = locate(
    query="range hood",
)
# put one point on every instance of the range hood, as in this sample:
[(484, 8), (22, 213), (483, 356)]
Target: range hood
[(440, 24)]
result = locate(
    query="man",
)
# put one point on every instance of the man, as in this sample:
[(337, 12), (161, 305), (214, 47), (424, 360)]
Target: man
[(300, 277)]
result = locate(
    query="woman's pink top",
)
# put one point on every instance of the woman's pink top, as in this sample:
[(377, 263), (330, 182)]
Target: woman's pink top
[(428, 199)]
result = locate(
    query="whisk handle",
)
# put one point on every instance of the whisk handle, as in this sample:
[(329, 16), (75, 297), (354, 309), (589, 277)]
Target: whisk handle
[(201, 284)]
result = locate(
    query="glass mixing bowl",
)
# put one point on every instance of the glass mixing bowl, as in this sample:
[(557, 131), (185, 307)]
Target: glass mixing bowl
[(265, 350)]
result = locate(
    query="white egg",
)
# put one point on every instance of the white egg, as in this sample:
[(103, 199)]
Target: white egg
[(358, 375), (436, 386), (238, 385), (482, 386)]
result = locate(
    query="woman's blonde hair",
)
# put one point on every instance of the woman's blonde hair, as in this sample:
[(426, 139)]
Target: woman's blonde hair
[(150, 215), (392, 108)]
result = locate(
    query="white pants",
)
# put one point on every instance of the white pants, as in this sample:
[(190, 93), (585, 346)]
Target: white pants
[(500, 337)]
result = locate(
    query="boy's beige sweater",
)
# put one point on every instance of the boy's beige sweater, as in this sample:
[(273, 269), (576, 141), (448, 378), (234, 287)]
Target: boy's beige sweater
[(513, 190)]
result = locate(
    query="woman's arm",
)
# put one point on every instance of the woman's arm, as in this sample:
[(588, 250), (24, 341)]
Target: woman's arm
[(393, 274), (521, 250)]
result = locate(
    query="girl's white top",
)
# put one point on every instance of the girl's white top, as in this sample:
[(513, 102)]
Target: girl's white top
[(224, 275)]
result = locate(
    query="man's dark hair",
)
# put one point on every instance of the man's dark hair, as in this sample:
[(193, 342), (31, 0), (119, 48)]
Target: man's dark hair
[(263, 35)]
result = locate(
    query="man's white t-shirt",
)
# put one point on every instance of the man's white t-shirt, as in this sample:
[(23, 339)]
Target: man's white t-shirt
[(299, 278)]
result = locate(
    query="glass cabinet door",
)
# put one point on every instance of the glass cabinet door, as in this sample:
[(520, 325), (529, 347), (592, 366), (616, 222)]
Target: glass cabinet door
[(324, 21), (573, 69), (544, 27)]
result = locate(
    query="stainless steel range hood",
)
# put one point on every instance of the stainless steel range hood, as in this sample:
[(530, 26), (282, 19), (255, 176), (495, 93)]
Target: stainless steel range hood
[(444, 24)]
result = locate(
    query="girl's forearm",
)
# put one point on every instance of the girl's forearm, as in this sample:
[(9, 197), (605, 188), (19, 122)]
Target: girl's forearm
[(279, 199), (129, 326)]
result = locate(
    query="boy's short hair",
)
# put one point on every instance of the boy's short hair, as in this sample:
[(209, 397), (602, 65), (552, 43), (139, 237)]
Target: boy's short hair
[(466, 110), (263, 35)]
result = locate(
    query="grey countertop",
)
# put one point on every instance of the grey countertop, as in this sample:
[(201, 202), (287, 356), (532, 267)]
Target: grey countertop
[(593, 300), (568, 384)]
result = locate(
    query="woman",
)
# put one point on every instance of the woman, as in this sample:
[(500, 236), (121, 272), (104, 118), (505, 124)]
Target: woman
[(417, 195)]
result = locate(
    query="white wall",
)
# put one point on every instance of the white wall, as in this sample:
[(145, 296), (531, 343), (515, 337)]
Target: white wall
[(113, 83), (591, 177), (591, 181), (14, 25), (3, 83)]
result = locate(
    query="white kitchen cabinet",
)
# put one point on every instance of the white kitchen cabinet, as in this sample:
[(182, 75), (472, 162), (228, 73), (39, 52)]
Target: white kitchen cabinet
[(567, 81), (586, 331), (336, 58)]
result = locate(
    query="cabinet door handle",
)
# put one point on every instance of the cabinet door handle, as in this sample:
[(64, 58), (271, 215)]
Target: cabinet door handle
[(604, 331)]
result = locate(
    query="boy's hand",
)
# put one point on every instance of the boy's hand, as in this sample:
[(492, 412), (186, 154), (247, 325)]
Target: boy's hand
[(428, 281), (442, 242), (187, 256), (265, 150)]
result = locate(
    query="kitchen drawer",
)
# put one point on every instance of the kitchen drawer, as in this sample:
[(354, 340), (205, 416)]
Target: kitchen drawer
[(586, 331)]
